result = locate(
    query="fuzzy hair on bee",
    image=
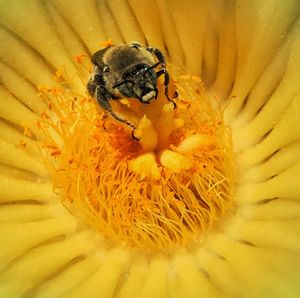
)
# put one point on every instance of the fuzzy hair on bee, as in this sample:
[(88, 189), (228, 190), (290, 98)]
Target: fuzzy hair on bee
[(127, 71)]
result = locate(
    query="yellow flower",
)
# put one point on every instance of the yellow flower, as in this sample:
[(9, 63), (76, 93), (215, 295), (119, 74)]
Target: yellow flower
[(176, 214)]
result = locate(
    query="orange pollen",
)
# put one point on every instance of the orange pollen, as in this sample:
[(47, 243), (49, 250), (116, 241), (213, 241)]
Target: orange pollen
[(22, 144), (107, 43), (79, 58), (162, 191)]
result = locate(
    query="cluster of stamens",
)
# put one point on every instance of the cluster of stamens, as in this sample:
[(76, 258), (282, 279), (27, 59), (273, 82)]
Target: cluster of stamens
[(162, 191)]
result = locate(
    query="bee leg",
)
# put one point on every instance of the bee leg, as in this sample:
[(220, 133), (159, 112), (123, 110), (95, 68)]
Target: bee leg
[(95, 81), (102, 97), (161, 59), (164, 72), (158, 54), (133, 136)]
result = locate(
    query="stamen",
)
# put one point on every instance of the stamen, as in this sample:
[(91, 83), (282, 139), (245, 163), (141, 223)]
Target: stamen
[(162, 191)]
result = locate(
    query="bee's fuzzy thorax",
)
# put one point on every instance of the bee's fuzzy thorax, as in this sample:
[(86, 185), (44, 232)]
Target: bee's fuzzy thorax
[(123, 57)]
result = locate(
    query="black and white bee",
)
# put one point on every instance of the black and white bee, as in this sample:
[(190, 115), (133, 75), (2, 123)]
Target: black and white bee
[(127, 71)]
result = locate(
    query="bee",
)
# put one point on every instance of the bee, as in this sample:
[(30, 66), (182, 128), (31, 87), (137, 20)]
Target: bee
[(127, 71)]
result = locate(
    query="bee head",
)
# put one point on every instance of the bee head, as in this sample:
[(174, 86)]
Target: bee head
[(139, 82)]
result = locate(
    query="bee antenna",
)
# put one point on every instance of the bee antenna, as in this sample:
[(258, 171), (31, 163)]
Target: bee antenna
[(122, 83), (153, 66)]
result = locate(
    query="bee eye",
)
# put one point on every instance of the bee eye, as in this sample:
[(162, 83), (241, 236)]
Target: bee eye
[(141, 67), (105, 69)]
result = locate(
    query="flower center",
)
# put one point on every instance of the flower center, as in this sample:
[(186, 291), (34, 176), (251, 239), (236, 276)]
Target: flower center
[(162, 191)]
